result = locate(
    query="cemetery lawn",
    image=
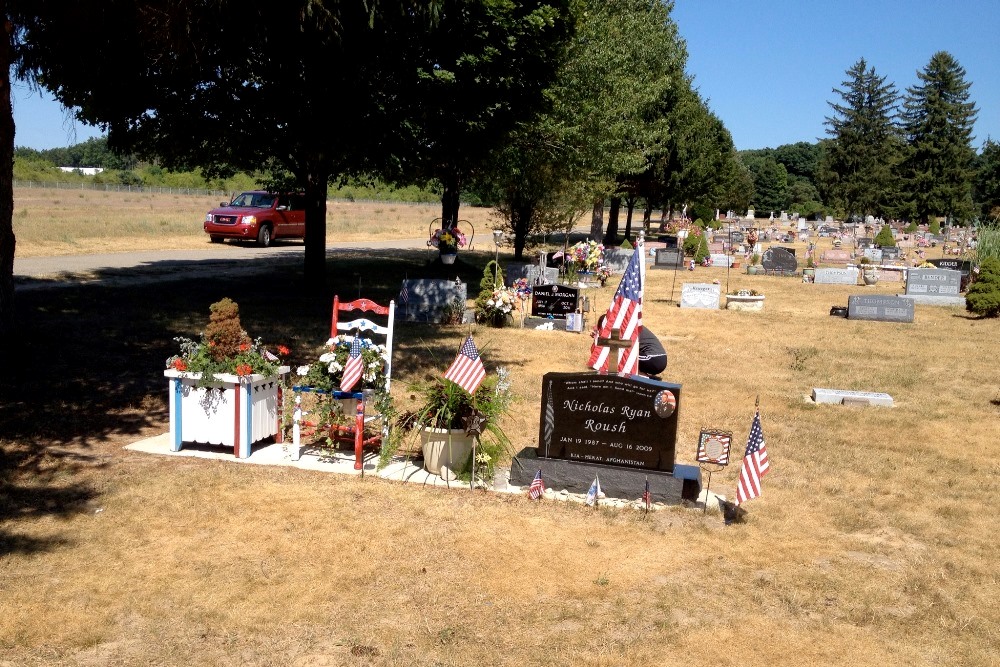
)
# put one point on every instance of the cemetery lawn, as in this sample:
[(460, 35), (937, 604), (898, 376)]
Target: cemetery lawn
[(874, 542)]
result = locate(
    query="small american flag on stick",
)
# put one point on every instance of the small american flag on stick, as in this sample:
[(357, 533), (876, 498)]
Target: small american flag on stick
[(537, 487), (755, 464), (467, 370)]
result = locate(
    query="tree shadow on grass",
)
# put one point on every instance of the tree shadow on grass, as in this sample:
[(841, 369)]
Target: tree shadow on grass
[(83, 374)]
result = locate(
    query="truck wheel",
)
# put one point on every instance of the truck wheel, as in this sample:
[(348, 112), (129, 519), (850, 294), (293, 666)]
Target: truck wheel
[(264, 236), (216, 239)]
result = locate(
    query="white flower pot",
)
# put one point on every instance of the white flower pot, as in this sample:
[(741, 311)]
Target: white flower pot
[(445, 447), (747, 302), (234, 412), (448, 257)]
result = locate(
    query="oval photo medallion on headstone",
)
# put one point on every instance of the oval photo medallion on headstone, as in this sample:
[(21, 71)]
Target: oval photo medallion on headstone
[(665, 403)]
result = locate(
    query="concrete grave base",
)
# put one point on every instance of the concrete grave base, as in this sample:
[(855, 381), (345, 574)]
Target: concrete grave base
[(853, 398), (670, 488)]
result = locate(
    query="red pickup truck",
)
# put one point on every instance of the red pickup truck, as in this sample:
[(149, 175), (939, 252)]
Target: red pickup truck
[(258, 216)]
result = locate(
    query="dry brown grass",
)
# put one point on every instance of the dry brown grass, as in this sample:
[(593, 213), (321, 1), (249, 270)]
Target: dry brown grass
[(50, 222), (873, 544)]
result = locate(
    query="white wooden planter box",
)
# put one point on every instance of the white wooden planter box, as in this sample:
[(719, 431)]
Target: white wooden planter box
[(235, 412)]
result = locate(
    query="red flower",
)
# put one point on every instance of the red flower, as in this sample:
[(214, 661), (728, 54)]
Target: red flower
[(244, 369), (244, 347), (283, 351), (180, 365)]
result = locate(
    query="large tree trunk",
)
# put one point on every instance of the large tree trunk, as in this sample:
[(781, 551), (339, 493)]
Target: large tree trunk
[(314, 269), (611, 235), (7, 240), (520, 220), (629, 208), (450, 200), (647, 216), (597, 220)]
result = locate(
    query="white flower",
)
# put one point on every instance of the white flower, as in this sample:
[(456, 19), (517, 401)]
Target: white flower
[(327, 357), (302, 370)]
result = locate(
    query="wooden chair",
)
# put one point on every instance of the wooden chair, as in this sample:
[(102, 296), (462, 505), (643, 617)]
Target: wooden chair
[(362, 326)]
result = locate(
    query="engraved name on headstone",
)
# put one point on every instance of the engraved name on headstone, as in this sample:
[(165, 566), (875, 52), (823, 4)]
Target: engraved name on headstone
[(609, 419), (668, 258)]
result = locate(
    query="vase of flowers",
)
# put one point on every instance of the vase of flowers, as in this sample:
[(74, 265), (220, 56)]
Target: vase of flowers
[(225, 389), (497, 308), (523, 291), (448, 241), (603, 273)]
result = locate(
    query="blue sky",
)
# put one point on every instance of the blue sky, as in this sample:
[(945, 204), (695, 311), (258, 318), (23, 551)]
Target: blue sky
[(767, 67)]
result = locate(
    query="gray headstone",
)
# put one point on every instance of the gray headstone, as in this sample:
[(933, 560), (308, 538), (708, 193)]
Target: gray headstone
[(880, 308), (531, 272), (874, 254), (842, 396), (933, 282), (829, 276), (668, 258), (738, 237), (890, 253), (427, 300), (720, 259), (618, 258), (700, 295), (779, 260), (864, 242)]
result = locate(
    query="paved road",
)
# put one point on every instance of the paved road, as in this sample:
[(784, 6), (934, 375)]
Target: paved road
[(150, 266)]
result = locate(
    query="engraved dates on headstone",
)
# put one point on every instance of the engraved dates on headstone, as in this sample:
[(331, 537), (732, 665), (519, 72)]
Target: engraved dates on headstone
[(609, 419), (554, 300)]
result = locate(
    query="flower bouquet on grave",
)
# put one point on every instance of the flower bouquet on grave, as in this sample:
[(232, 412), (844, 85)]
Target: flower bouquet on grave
[(448, 241), (522, 288)]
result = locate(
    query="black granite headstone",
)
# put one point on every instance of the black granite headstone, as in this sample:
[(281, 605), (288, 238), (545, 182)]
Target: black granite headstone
[(668, 258), (608, 419), (779, 260), (554, 300)]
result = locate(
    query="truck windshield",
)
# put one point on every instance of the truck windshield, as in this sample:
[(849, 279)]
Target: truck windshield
[(254, 199)]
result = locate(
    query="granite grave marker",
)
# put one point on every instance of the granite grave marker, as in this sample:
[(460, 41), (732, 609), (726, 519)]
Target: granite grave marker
[(554, 300), (933, 282), (879, 308), (833, 276), (428, 299), (779, 260), (701, 295)]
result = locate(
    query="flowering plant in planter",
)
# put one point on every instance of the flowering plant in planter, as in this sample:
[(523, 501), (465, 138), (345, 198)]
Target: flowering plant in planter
[(448, 240), (603, 273), (497, 305), (328, 371), (225, 349), (586, 255)]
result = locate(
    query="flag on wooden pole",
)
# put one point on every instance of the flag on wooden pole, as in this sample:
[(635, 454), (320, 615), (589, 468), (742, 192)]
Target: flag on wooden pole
[(755, 464), (467, 370), (625, 314)]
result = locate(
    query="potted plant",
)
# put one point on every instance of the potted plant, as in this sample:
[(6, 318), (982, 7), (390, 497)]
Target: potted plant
[(224, 388), (745, 299), (448, 241), (495, 303), (754, 269), (443, 419)]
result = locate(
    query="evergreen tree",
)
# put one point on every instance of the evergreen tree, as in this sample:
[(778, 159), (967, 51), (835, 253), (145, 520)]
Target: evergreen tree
[(858, 162), (938, 119), (884, 238), (986, 190), (983, 297)]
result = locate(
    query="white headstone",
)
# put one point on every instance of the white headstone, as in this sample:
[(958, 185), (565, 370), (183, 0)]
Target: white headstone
[(700, 295)]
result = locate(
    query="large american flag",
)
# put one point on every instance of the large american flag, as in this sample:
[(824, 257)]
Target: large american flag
[(755, 464), (354, 367), (537, 488), (467, 370), (625, 314)]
